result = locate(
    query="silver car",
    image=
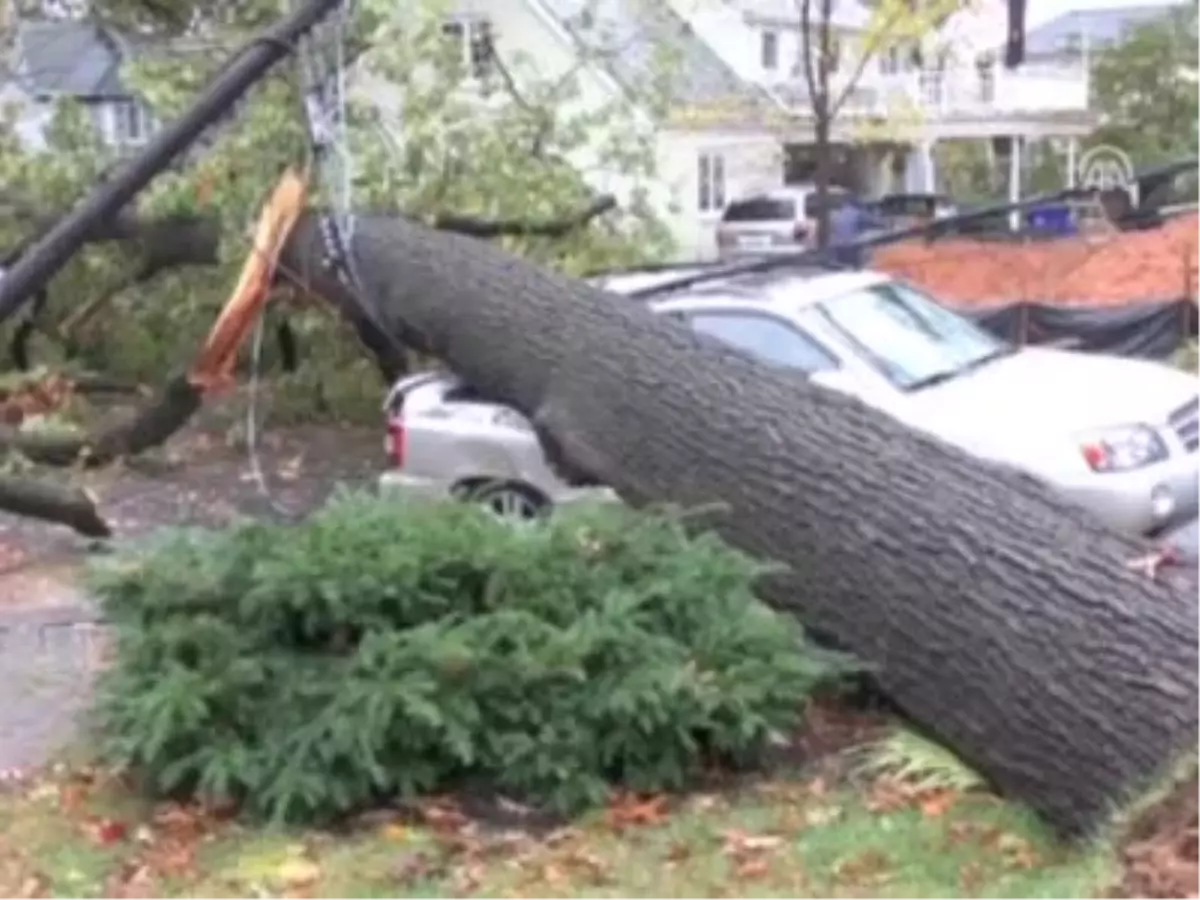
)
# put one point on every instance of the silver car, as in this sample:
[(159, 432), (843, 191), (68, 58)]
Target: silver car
[(778, 220), (1117, 435)]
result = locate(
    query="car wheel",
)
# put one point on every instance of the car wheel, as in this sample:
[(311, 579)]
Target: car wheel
[(508, 501)]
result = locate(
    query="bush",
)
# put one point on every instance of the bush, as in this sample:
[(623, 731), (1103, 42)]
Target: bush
[(383, 649)]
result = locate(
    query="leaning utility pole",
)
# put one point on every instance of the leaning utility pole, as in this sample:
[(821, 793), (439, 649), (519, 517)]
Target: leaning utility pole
[(40, 263)]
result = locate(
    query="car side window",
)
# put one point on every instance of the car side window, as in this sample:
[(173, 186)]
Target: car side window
[(767, 339)]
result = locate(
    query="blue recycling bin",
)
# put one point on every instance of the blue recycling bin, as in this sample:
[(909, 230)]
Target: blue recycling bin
[(1056, 219)]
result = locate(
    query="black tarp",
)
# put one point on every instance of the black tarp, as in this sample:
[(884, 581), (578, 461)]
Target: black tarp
[(1145, 330)]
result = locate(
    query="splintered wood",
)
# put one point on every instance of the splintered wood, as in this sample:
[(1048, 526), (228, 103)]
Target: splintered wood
[(213, 369)]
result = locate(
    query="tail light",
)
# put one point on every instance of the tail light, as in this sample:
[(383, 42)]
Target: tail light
[(724, 239), (800, 233), (394, 444)]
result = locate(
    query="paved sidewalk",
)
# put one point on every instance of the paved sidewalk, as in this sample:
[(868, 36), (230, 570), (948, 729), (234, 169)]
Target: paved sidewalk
[(48, 658)]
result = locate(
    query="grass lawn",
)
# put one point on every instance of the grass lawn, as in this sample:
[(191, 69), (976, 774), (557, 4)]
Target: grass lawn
[(794, 835)]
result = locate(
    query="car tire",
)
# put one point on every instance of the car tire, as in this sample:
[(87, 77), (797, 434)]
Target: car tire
[(507, 500)]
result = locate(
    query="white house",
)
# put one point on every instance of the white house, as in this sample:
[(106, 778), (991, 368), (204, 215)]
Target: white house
[(741, 118), (77, 60)]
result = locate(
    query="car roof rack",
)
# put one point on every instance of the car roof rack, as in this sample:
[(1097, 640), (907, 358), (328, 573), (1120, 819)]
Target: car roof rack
[(928, 230)]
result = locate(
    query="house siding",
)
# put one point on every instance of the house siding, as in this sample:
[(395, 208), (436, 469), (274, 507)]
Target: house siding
[(751, 163), (519, 28)]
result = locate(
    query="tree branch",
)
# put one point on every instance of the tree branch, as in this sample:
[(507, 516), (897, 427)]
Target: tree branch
[(804, 7), (868, 53), (554, 228), (70, 506)]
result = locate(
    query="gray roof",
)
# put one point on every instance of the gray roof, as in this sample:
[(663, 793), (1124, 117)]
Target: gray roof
[(1096, 28), (631, 36), (76, 58)]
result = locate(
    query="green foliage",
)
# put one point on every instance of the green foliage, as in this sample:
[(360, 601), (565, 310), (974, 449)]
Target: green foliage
[(919, 762), (384, 649), (529, 141), (1145, 88)]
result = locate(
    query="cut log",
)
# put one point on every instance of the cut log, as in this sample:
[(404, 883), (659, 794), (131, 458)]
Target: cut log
[(999, 616)]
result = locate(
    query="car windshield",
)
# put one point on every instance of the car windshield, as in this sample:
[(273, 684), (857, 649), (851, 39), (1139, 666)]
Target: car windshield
[(909, 338)]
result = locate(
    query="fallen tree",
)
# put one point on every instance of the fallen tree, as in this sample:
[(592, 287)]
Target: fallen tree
[(998, 616)]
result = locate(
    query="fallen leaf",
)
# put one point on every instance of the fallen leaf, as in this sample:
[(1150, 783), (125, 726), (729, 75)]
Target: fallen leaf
[(938, 803), (416, 867), (133, 881), (395, 831), (35, 885), (298, 872), (108, 831), (468, 878), (592, 867), (888, 795), (970, 877), (628, 810), (739, 842), (678, 852), (560, 836), (443, 816), (822, 815), (72, 796), (752, 868)]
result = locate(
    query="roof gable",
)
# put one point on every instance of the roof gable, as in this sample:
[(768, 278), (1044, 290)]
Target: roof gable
[(75, 58), (630, 37), (1094, 28)]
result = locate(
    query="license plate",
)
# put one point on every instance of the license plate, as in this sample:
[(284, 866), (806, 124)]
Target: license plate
[(754, 240)]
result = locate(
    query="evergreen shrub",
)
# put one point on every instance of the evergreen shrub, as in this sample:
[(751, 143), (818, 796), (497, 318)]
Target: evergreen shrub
[(383, 649)]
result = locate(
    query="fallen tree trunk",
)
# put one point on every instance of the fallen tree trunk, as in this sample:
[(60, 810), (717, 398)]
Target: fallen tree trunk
[(1000, 617)]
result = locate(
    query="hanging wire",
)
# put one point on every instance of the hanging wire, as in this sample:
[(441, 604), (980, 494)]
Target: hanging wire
[(322, 63)]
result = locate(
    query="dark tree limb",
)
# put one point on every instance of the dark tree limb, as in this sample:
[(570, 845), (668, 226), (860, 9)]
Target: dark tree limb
[(70, 506), (997, 615), (148, 428), (484, 228)]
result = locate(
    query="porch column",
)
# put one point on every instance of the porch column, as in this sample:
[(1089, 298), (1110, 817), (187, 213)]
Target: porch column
[(1072, 161), (930, 166), (919, 174), (1014, 182)]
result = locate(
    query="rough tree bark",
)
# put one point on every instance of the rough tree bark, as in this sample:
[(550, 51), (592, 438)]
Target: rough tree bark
[(999, 617)]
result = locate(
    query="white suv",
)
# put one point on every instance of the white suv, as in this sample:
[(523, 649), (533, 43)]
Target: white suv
[(1119, 436)]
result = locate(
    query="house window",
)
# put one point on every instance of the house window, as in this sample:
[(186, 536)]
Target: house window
[(474, 40), (131, 122), (889, 60), (711, 182), (770, 50)]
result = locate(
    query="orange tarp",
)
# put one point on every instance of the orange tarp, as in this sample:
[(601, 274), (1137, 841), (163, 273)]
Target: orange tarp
[(1112, 269)]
